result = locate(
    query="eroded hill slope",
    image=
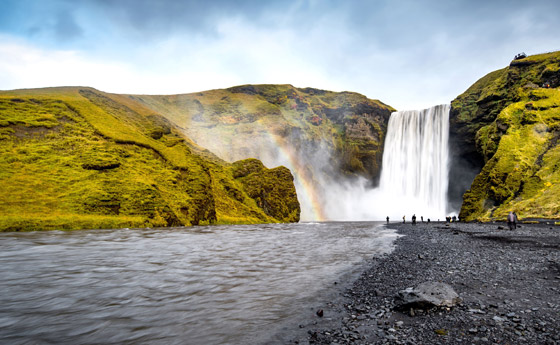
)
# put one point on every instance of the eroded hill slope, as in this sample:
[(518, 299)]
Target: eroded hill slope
[(73, 158)]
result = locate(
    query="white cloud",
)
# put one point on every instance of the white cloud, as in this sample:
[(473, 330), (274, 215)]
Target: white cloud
[(240, 54), (408, 64), (25, 66)]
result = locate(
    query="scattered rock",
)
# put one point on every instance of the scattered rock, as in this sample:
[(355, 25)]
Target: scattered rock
[(427, 295), (499, 276)]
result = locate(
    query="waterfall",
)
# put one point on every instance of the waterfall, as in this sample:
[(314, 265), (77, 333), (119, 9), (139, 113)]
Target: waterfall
[(414, 173), (415, 160)]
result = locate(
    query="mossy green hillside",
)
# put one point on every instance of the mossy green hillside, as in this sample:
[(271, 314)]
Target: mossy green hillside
[(261, 184), (513, 118), (234, 123), (73, 158)]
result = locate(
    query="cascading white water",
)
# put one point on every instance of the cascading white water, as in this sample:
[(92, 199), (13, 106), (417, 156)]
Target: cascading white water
[(415, 160), (414, 173)]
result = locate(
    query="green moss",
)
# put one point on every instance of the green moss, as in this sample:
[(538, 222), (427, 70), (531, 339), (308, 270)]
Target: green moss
[(101, 161), (272, 190), (520, 146)]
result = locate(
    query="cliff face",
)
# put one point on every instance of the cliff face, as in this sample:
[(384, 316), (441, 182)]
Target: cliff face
[(234, 123), (324, 137), (505, 130), (74, 158)]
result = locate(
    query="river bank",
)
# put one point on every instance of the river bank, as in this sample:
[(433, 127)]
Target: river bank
[(508, 281)]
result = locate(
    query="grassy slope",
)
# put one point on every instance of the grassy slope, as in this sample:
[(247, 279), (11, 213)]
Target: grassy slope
[(516, 127), (75, 158), (352, 125)]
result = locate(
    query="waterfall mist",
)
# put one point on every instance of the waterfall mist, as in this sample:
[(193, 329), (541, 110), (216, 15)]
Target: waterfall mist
[(413, 175)]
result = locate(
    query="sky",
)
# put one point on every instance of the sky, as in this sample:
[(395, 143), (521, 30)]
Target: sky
[(410, 54)]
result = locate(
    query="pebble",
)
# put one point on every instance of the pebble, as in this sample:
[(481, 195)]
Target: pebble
[(476, 311)]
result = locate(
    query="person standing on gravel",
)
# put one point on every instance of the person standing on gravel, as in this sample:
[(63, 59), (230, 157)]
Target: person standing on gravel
[(511, 220)]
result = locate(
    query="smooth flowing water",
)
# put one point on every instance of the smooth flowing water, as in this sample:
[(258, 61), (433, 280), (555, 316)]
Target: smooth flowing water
[(415, 161), (200, 285), (414, 172)]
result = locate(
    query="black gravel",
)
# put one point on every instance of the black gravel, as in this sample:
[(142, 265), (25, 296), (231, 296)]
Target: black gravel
[(509, 283)]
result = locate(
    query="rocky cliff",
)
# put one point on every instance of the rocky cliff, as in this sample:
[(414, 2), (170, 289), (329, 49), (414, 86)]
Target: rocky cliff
[(74, 158), (322, 136), (505, 130)]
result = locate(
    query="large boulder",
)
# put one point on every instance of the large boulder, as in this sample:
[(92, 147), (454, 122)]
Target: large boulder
[(427, 295)]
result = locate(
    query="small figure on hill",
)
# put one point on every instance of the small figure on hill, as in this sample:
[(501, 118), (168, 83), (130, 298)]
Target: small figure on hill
[(387, 219), (422, 219), (511, 220), (515, 219), (428, 220), (413, 219), (403, 219), (454, 219)]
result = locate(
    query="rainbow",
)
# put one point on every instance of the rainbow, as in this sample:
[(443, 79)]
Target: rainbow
[(307, 192)]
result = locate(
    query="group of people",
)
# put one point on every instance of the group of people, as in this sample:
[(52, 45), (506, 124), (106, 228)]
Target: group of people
[(413, 219), (511, 220)]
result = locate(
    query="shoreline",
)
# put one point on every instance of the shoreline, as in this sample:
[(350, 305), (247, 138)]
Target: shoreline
[(508, 281)]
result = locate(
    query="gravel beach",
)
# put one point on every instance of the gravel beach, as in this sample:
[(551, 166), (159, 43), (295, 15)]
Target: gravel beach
[(508, 283)]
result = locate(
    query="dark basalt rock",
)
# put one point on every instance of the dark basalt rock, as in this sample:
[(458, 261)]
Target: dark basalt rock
[(101, 166), (427, 295)]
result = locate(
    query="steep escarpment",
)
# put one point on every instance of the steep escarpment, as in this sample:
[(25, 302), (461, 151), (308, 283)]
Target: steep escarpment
[(231, 122), (325, 138), (505, 130), (74, 158)]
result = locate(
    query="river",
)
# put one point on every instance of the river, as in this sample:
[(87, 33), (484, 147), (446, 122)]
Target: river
[(196, 285)]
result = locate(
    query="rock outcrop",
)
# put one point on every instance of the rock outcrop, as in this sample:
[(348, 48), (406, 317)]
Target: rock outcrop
[(505, 131)]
